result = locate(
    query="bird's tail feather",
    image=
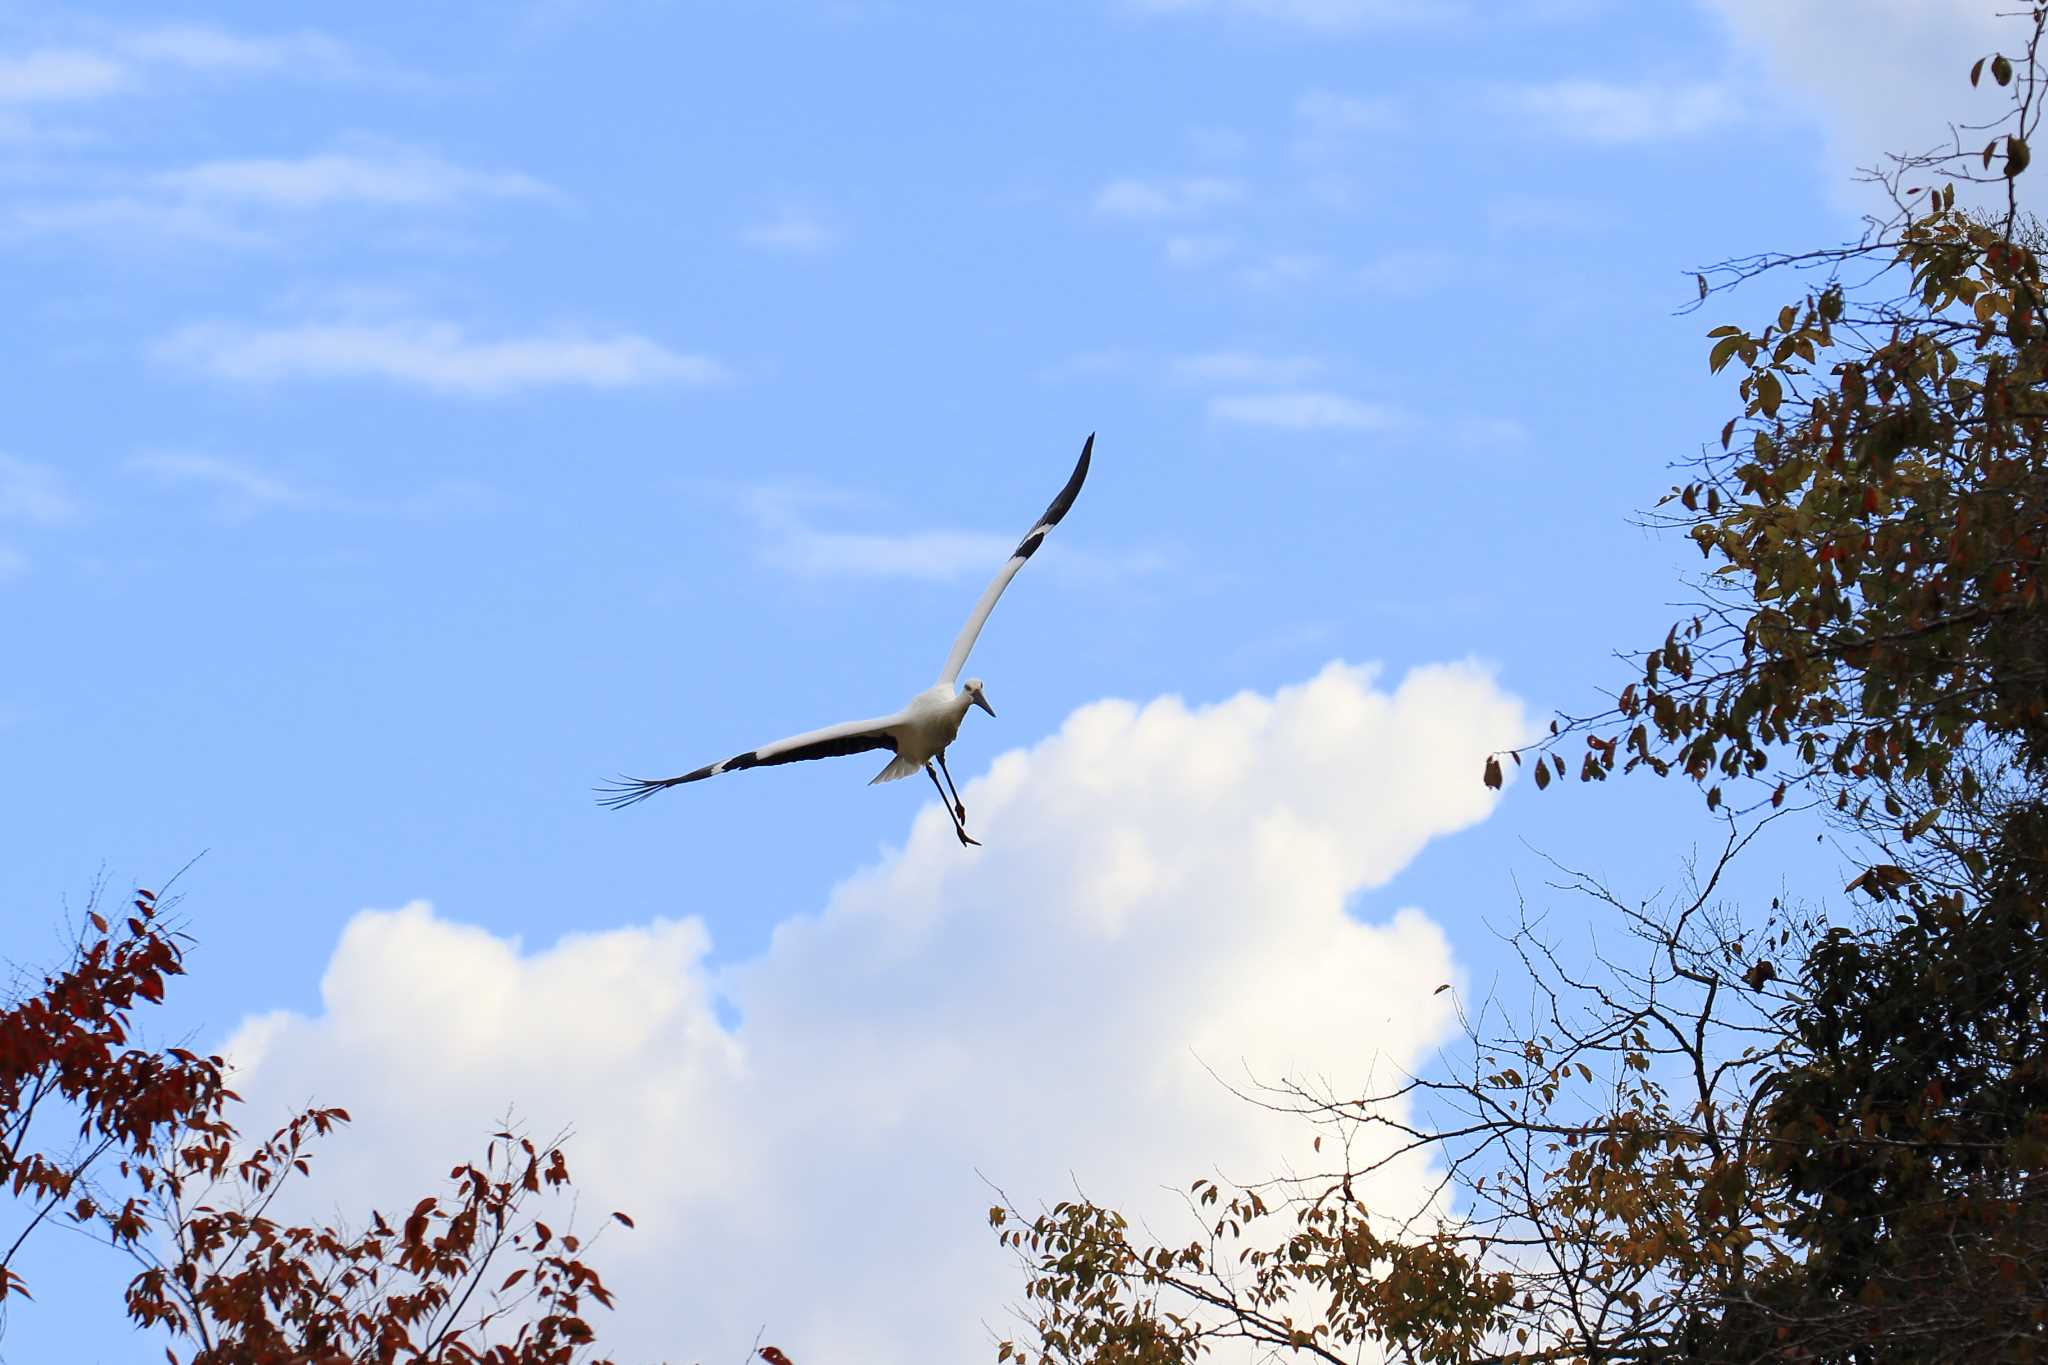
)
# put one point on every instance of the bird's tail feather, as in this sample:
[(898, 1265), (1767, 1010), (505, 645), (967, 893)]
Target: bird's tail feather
[(898, 768)]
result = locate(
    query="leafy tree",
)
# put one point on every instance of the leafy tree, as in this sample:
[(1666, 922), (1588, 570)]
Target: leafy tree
[(1812, 1133), (153, 1167)]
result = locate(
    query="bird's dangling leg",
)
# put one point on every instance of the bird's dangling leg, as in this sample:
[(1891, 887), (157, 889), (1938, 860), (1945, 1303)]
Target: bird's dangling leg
[(959, 806), (959, 826)]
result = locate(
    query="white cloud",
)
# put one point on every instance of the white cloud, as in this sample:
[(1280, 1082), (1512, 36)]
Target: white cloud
[(1302, 410), (33, 493), (1609, 112), (1490, 431), (1331, 112), (203, 47), (116, 61), (55, 75), (1891, 81), (1547, 213), (1106, 363), (431, 354), (1332, 15), (370, 174), (132, 222), (793, 232), (1243, 367), (1164, 888), (1183, 198), (244, 487), (1407, 274), (1284, 269), (1190, 253), (792, 544)]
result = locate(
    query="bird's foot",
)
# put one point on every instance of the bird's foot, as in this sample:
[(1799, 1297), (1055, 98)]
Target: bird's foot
[(960, 813), (965, 837)]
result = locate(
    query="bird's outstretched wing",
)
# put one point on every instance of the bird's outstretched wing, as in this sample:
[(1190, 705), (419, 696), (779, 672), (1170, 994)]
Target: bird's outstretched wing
[(855, 736), (964, 643)]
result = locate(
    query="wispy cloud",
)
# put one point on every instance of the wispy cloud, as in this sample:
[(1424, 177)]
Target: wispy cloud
[(933, 555), (1192, 253), (239, 489), (205, 47), (1546, 213), (1330, 15), (244, 487), (242, 202), (119, 61), (33, 493), (1489, 431), (431, 354), (54, 75), (1406, 274), (131, 221), (792, 232), (383, 174), (1303, 410), (1243, 367), (1282, 269), (1331, 112), (792, 543), (1609, 112), (1183, 198)]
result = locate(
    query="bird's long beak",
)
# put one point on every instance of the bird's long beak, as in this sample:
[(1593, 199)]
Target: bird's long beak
[(982, 702)]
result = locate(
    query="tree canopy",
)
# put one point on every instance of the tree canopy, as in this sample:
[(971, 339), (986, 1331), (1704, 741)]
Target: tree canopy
[(1810, 1132)]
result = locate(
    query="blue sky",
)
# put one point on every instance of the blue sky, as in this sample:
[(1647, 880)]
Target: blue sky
[(422, 414)]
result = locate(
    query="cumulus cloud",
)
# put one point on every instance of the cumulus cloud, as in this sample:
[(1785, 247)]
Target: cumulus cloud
[(1164, 890), (1612, 112), (1132, 198), (1302, 410), (431, 354)]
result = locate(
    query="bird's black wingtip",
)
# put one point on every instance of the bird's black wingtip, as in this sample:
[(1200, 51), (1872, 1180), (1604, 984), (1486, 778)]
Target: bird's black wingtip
[(1065, 500), (625, 791)]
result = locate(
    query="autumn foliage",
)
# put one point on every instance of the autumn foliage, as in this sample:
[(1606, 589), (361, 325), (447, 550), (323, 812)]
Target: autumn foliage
[(134, 1144)]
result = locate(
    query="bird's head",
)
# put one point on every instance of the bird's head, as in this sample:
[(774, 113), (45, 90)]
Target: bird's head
[(971, 689)]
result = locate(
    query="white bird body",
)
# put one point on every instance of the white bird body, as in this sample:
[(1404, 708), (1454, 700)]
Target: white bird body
[(923, 729), (920, 732)]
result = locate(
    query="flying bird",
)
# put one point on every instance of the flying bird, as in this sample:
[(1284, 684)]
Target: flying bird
[(919, 733)]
